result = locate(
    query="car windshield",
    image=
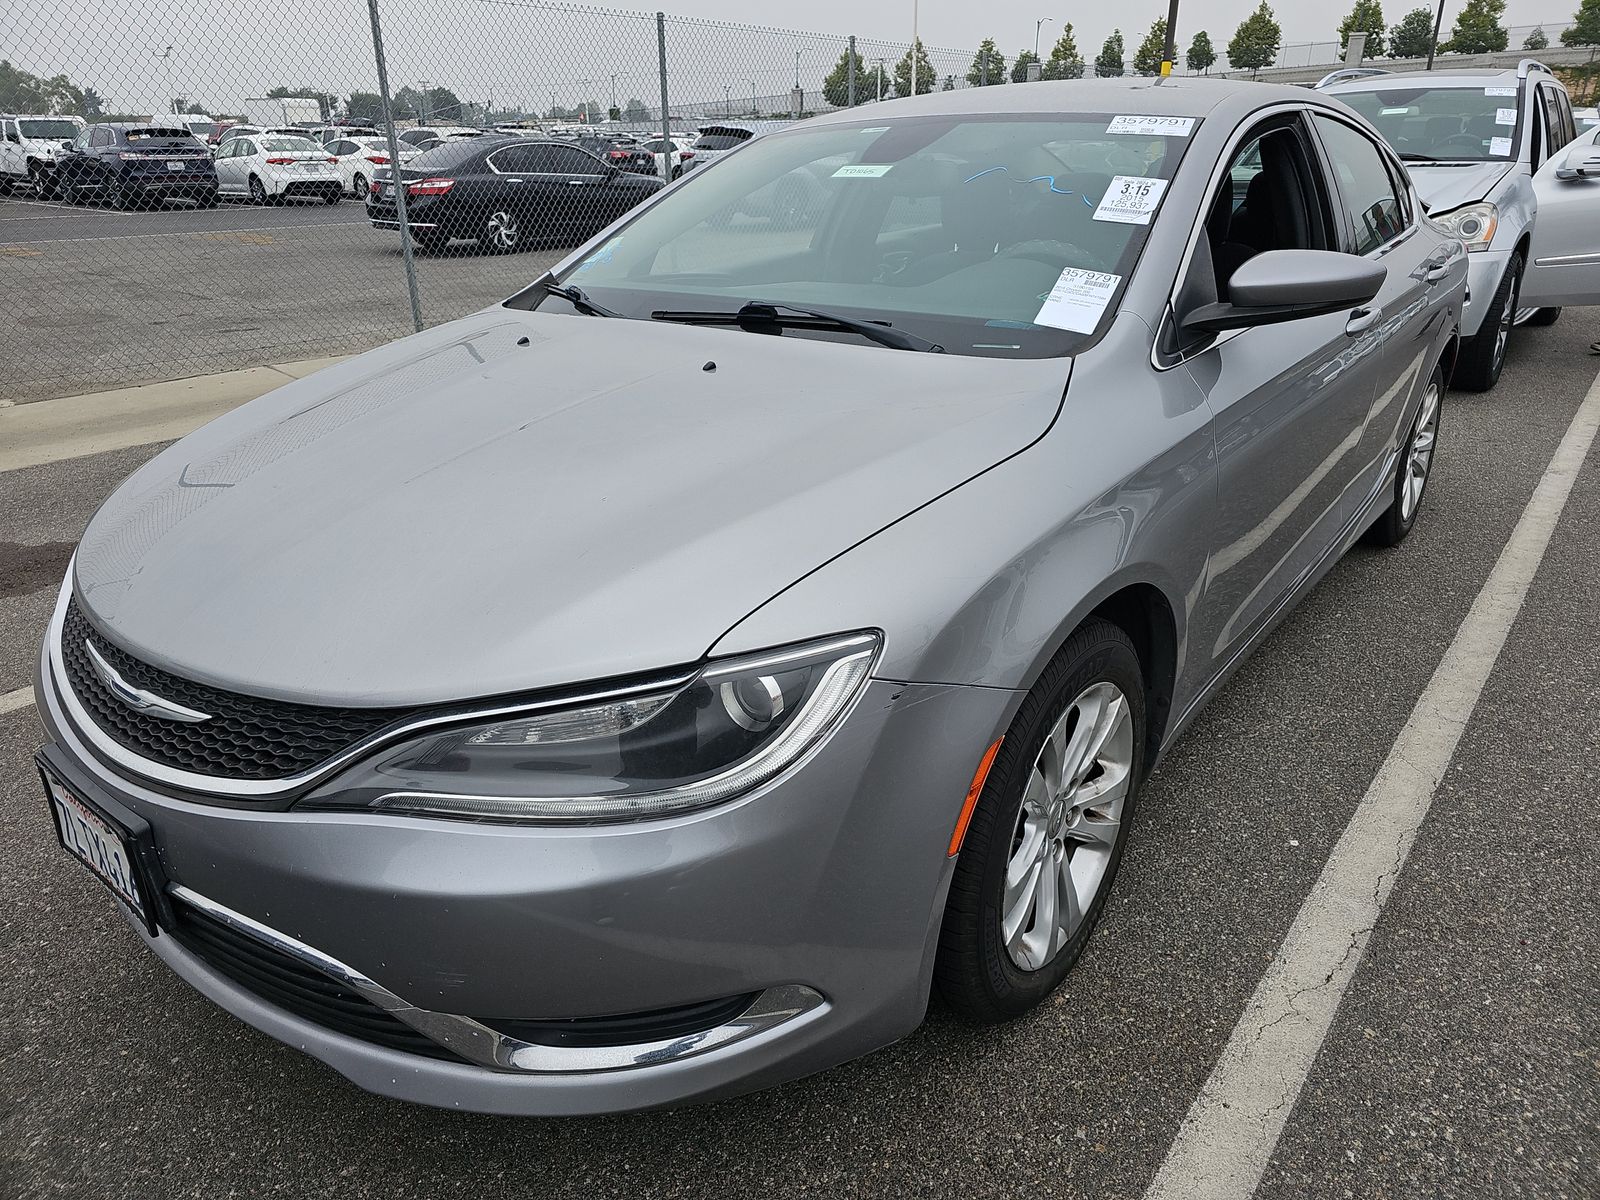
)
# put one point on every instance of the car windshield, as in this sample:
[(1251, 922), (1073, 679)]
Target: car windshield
[(54, 130), (720, 141), (300, 145), (1006, 236), (1451, 124)]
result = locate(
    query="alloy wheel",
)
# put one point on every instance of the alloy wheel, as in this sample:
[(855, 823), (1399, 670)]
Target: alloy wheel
[(1419, 458), (1067, 829), (358, 186), (501, 232), (1508, 318)]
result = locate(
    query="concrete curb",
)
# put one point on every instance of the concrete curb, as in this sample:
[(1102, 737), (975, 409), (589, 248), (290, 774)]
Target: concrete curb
[(46, 431)]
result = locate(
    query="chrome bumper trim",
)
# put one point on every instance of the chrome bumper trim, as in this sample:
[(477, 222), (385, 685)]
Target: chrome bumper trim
[(486, 1047)]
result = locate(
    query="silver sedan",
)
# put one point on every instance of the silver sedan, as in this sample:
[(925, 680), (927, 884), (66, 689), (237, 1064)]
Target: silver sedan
[(655, 686)]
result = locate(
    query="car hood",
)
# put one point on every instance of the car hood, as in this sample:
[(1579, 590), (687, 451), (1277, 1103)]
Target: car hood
[(1445, 188), (520, 500)]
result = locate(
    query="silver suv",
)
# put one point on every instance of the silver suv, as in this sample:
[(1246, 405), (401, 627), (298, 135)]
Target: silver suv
[(1484, 150)]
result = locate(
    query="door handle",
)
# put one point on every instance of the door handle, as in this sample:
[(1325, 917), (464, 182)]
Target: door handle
[(1362, 320), (1437, 272)]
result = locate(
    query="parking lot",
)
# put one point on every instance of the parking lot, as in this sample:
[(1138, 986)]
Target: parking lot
[(92, 290), (1464, 1059)]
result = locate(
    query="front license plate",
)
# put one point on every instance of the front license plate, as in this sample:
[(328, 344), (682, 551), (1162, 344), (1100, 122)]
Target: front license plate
[(176, 164), (100, 844)]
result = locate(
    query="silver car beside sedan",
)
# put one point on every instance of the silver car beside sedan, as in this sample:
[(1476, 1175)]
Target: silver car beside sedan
[(656, 686)]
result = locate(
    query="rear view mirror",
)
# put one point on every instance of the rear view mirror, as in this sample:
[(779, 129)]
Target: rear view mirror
[(1581, 162), (1287, 285)]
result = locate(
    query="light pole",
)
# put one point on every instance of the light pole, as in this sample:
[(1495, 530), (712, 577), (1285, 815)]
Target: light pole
[(1169, 53), (727, 103), (1036, 26), (614, 91), (166, 73), (882, 75), (914, 44), (1438, 20), (752, 84)]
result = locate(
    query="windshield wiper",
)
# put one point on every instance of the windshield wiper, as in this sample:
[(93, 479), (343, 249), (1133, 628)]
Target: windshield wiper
[(1413, 156), (766, 312), (579, 299)]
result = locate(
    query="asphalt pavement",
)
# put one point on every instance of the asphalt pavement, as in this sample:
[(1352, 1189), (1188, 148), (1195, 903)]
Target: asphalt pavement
[(1464, 1060)]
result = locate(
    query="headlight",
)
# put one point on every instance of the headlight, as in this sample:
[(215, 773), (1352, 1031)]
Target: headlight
[(735, 725), (1474, 224)]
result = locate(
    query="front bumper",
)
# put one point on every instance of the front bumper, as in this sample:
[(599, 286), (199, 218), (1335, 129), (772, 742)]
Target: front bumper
[(830, 880), (1485, 268)]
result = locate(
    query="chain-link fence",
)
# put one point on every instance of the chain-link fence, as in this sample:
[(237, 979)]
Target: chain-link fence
[(193, 190)]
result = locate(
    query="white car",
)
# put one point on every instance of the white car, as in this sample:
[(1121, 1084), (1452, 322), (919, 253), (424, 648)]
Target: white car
[(357, 160), (425, 137), (1586, 118), (679, 148), (332, 133), (233, 131), (29, 149), (267, 168), (716, 140)]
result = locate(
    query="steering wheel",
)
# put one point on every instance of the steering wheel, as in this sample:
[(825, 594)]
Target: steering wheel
[(1061, 254)]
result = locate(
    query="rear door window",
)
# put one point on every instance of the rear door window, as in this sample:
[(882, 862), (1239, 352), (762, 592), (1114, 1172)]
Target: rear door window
[(569, 160)]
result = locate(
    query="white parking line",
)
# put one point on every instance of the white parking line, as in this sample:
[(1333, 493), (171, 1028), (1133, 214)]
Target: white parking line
[(1224, 1144), (19, 699)]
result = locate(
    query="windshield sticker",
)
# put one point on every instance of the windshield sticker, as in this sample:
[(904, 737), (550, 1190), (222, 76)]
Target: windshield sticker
[(1077, 300), (876, 129), (863, 171), (603, 255), (1500, 147), (1394, 112), (1152, 126), (1500, 91), (1130, 200), (1505, 116)]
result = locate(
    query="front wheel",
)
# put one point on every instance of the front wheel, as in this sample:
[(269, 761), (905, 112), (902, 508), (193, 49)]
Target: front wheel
[(258, 191), (1411, 476), (42, 186), (501, 233), (1484, 354), (1046, 838), (358, 186)]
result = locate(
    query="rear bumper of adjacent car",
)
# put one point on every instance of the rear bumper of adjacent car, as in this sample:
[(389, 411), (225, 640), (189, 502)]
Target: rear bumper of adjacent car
[(808, 910)]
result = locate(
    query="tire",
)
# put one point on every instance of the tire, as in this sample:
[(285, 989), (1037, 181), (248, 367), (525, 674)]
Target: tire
[(501, 232), (42, 188), (1544, 316), (982, 974), (1413, 471), (258, 192), (1484, 354), (358, 186)]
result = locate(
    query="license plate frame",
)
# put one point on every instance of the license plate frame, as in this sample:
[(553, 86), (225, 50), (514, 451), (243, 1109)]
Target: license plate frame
[(86, 825)]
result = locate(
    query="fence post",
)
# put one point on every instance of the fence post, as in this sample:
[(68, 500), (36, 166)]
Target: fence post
[(394, 165), (852, 72), (666, 117)]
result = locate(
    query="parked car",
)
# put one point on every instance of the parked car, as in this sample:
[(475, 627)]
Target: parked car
[(199, 125), (620, 152), (646, 689), (334, 133), (1586, 118), (1475, 143), (233, 131), (505, 194), (716, 140), (678, 152), (137, 165), (266, 169), (358, 159), (427, 137), (30, 148)]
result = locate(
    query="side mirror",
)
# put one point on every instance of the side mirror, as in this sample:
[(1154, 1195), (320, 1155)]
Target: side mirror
[(1288, 285), (1581, 162)]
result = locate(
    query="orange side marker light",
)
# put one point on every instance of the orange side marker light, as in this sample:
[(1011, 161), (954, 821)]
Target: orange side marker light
[(973, 793)]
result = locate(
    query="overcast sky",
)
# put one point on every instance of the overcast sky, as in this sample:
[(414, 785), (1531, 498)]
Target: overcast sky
[(517, 53)]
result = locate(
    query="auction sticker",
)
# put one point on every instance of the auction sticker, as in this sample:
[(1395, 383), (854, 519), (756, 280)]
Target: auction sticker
[(1152, 126), (1130, 200), (1505, 116), (1500, 147), (863, 171), (1499, 90), (1077, 300)]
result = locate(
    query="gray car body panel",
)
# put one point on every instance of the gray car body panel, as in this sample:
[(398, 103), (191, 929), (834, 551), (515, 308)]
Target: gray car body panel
[(426, 522)]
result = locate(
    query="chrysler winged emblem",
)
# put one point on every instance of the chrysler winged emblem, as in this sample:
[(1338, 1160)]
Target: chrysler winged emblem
[(137, 698)]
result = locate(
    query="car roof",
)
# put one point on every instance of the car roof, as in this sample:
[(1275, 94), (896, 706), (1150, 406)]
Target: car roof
[(1175, 96), (1457, 77), (125, 126)]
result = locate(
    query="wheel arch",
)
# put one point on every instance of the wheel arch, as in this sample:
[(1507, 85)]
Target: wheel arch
[(1143, 612)]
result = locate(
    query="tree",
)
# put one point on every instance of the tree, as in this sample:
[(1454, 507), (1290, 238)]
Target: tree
[(988, 66), (925, 75), (836, 84), (438, 104), (1585, 30), (1019, 69), (1255, 42), (635, 113), (1413, 36), (93, 105), (1478, 30), (1152, 52), (1537, 39), (1109, 61), (1064, 62), (1366, 17), (23, 92), (1201, 55), (364, 106)]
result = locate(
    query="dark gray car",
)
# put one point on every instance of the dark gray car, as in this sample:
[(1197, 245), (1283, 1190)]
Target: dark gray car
[(650, 688)]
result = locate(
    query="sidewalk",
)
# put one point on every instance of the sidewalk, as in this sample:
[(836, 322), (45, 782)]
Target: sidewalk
[(46, 431)]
